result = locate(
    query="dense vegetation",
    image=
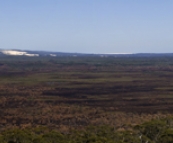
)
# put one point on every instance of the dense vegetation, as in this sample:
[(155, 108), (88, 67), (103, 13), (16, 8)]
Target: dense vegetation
[(155, 131), (86, 99)]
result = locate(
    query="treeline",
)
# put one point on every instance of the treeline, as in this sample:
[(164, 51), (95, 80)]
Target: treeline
[(155, 131)]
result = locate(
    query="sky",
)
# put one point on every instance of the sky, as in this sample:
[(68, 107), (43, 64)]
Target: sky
[(87, 26)]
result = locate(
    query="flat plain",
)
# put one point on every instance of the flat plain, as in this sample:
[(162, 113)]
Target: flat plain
[(67, 92)]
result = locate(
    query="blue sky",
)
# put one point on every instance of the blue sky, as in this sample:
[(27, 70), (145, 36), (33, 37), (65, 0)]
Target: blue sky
[(87, 26)]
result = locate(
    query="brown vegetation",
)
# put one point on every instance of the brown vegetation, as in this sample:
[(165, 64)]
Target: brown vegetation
[(76, 92)]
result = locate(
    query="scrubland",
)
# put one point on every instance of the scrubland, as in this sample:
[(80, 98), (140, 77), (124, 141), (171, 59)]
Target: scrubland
[(86, 99)]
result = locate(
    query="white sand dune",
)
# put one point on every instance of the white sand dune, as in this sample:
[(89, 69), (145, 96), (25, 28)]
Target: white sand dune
[(18, 53)]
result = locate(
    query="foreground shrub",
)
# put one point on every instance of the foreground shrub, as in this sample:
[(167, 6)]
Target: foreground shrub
[(155, 131)]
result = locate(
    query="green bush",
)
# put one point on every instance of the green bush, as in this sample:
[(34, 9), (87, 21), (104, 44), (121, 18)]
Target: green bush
[(155, 131)]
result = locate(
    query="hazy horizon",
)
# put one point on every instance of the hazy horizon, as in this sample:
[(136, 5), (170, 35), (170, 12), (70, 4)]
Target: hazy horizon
[(112, 26)]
